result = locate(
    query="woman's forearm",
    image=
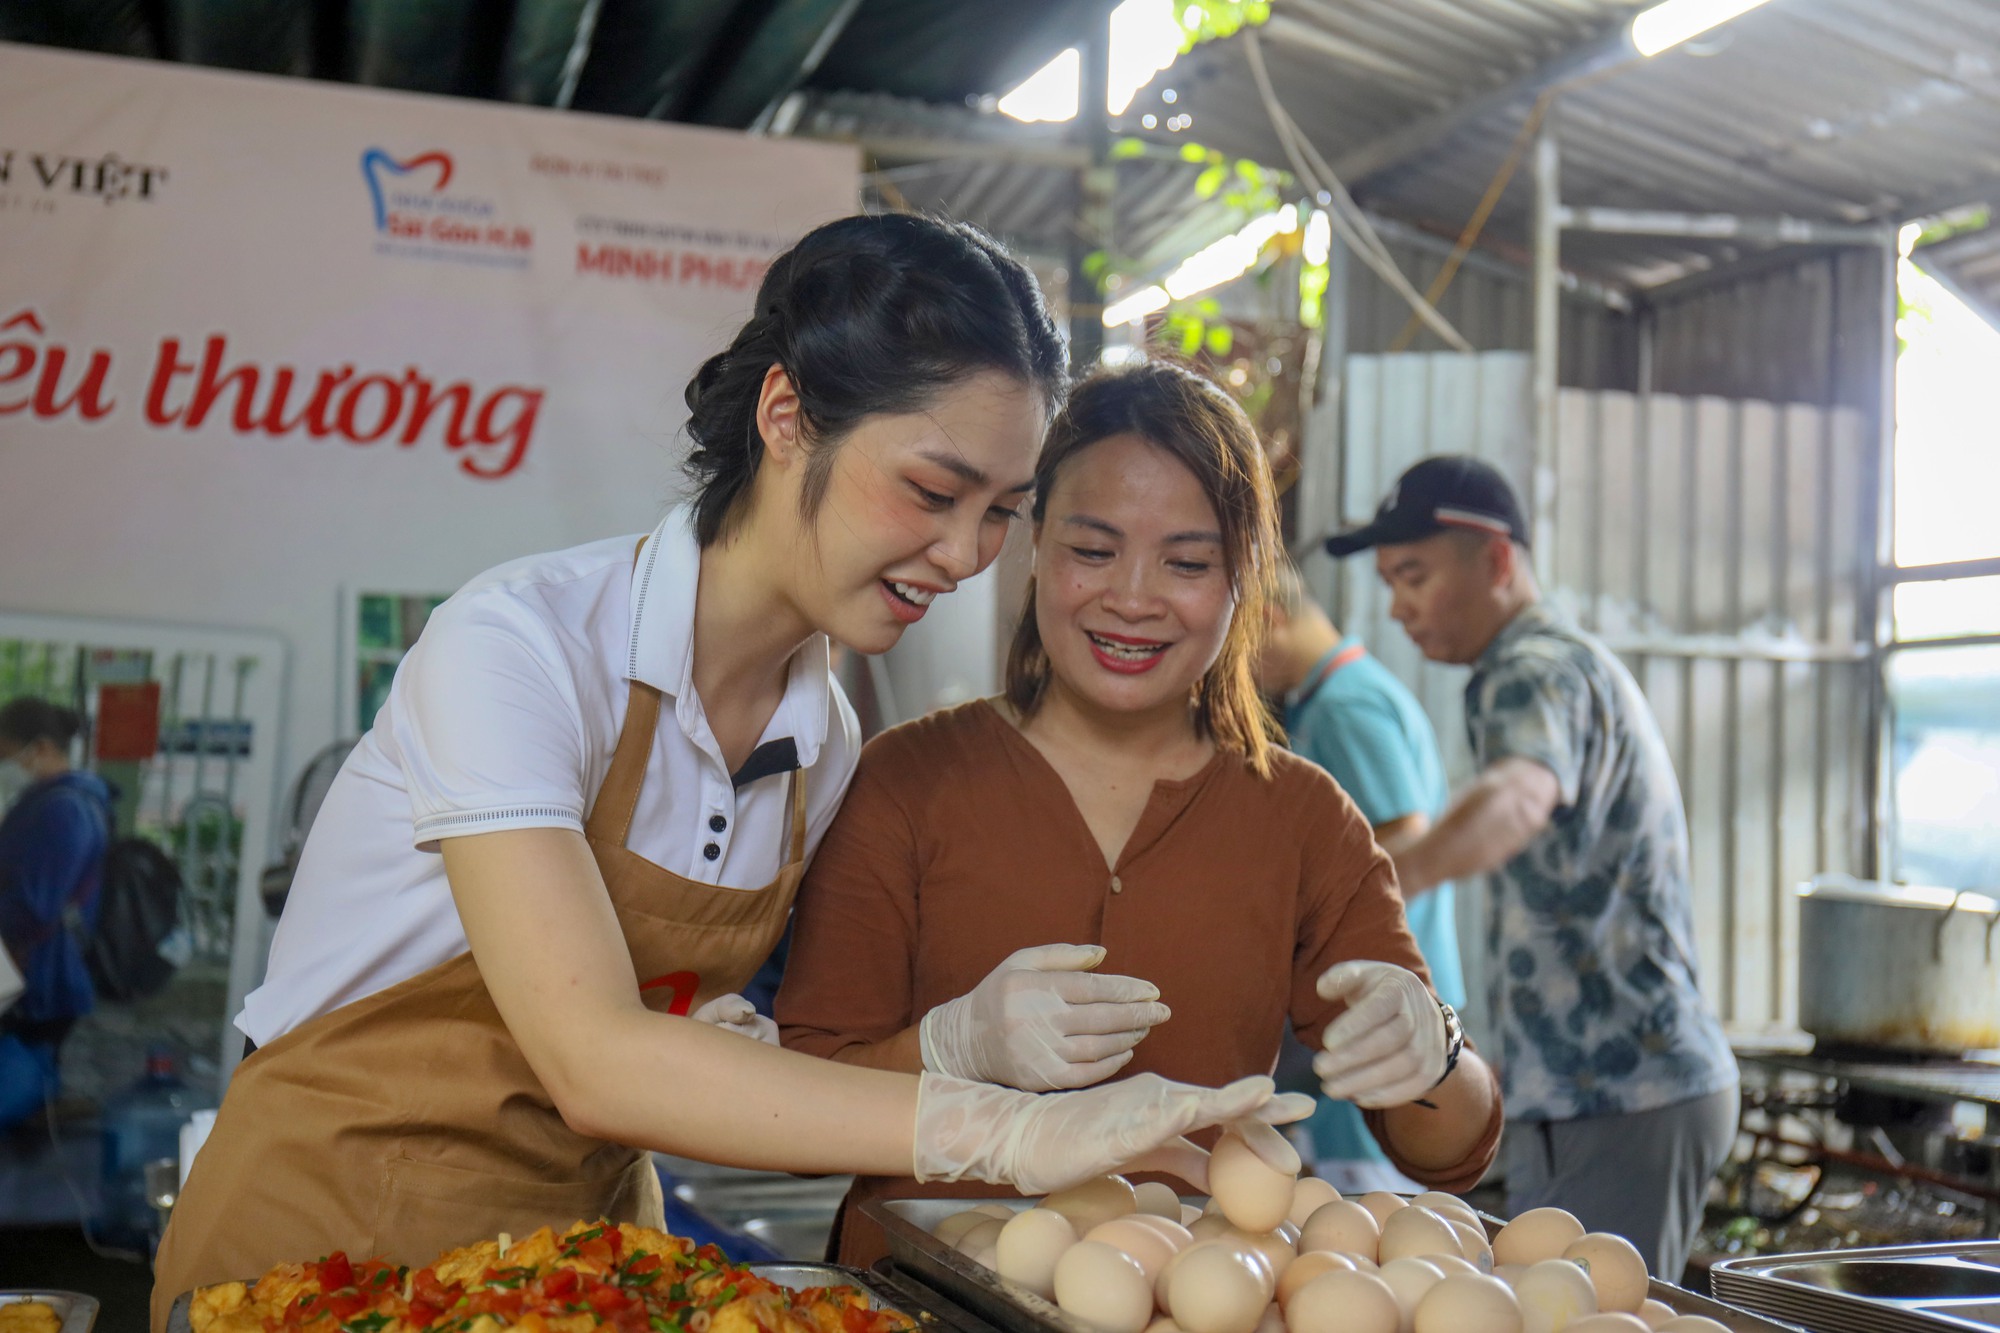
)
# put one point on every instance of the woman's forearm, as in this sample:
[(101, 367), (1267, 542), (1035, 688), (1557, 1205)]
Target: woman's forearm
[(677, 1086), (900, 1054), (1435, 1140)]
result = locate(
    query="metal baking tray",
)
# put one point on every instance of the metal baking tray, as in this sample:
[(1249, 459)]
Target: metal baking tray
[(1952, 1286), (77, 1311), (1014, 1309), (881, 1295)]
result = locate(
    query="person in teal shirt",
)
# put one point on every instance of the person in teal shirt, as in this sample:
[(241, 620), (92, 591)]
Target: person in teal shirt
[(1345, 711)]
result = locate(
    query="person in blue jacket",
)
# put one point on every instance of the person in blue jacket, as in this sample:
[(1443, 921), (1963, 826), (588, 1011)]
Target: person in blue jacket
[(52, 844), (1347, 713)]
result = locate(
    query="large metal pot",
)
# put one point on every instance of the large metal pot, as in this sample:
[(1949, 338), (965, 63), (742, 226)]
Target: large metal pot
[(1911, 969)]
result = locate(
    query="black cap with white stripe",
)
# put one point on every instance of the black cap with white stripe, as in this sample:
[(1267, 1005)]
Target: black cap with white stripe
[(1443, 494)]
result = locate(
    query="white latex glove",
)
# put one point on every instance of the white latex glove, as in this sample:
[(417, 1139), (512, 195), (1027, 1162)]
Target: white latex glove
[(736, 1014), (1039, 1142), (1389, 1047), (1042, 1020)]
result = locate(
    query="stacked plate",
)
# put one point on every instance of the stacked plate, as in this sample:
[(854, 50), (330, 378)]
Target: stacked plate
[(1892, 1289)]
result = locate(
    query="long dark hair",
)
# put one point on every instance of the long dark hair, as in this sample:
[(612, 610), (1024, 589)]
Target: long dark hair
[(866, 315), (1198, 425)]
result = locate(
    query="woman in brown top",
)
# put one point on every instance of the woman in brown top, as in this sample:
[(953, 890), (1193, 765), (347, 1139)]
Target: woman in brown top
[(1126, 794)]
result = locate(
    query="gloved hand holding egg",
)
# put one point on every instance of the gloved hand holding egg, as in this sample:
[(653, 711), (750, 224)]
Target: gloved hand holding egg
[(1042, 1020), (1389, 1047), (1040, 1141)]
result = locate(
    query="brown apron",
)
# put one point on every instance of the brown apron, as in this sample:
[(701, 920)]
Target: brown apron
[(408, 1123)]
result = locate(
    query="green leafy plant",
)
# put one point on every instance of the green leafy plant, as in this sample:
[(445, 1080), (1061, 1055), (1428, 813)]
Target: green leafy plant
[(1211, 20)]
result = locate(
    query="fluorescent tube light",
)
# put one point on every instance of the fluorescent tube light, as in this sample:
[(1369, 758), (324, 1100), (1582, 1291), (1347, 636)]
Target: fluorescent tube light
[(1666, 26)]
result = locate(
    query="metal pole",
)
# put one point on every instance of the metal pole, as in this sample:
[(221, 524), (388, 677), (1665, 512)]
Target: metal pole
[(1097, 184), (1880, 544), (1546, 280)]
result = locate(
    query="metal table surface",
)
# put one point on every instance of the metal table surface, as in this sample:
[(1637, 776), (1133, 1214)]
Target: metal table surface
[(1928, 1080)]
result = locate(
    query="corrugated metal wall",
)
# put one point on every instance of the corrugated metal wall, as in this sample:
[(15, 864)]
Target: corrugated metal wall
[(1806, 332), (1716, 544), (1488, 303)]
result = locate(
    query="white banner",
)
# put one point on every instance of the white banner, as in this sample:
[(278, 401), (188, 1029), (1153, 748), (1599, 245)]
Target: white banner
[(269, 345)]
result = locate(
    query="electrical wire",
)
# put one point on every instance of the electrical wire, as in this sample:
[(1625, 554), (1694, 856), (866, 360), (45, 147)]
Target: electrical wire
[(1347, 219)]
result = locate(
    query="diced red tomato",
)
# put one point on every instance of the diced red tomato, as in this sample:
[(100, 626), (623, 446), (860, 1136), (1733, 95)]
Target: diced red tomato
[(423, 1314), (336, 1272), (607, 1299), (560, 1284), (345, 1304), (425, 1287)]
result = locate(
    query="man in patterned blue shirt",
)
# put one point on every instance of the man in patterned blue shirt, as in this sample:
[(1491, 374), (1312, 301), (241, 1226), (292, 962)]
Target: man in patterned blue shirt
[(1620, 1087)]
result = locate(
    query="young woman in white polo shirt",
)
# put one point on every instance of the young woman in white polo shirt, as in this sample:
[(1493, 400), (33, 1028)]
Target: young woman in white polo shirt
[(582, 813)]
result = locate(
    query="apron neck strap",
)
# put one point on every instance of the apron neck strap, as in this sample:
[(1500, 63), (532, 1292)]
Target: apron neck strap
[(798, 852), (618, 798)]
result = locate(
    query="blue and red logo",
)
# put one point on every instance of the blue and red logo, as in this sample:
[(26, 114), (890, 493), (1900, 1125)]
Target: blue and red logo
[(375, 164), (418, 214)]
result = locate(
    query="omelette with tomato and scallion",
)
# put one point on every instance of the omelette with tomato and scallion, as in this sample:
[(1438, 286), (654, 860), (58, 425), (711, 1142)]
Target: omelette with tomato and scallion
[(593, 1276)]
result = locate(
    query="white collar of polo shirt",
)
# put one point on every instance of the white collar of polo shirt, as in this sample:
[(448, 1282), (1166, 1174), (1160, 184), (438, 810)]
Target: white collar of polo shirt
[(661, 652)]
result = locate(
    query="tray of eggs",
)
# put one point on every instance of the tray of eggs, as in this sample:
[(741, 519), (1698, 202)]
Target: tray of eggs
[(1271, 1252)]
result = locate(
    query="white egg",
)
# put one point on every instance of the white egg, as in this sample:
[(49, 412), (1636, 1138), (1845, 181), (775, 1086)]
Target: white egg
[(999, 1210), (1411, 1279), (1272, 1320), (1341, 1302), (1416, 1231), (1103, 1288), (1538, 1234), (1028, 1247), (1214, 1288), (1177, 1235), (1615, 1269), (985, 1254), (1209, 1225), (1449, 1205), (1472, 1243), (1452, 1263), (1275, 1249), (1164, 1324), (1252, 1172), (1344, 1227), (1381, 1203), (1655, 1312), (1509, 1273), (983, 1233), (1469, 1303), (1189, 1213), (1310, 1193), (1691, 1323), (1132, 1237), (953, 1228), (1616, 1321), (1093, 1201), (1157, 1199), (1307, 1267), (1553, 1293)]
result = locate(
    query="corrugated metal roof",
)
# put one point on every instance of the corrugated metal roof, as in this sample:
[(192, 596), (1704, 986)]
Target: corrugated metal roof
[(1839, 110)]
